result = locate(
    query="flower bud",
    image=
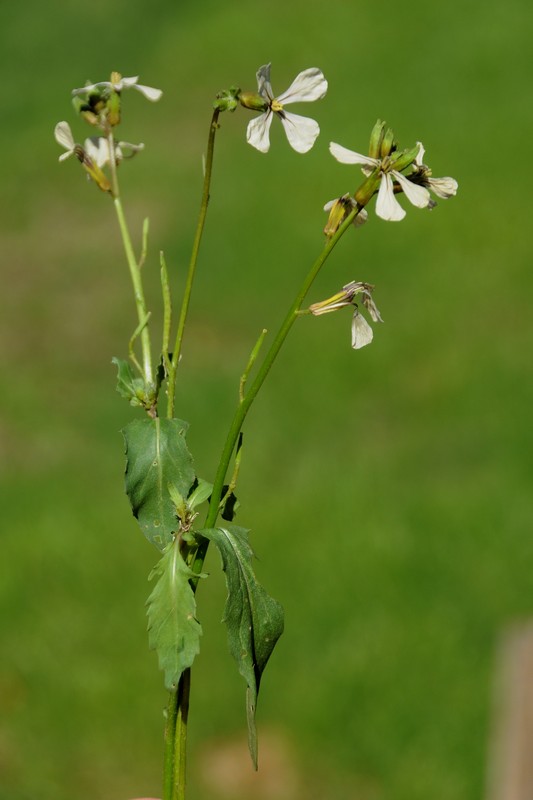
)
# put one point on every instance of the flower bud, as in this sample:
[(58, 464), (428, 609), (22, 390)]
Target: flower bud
[(403, 159), (227, 100), (387, 143), (376, 137), (253, 101)]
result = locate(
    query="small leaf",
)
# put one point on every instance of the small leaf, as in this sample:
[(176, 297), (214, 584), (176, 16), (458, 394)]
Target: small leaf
[(254, 620), (173, 630), (156, 457), (128, 386)]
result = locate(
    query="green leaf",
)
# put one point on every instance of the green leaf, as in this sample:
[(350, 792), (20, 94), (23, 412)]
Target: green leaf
[(156, 457), (254, 620), (128, 386), (173, 630)]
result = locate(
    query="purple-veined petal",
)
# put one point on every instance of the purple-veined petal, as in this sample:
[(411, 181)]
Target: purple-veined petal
[(263, 82), (443, 187), (387, 207), (346, 156), (417, 195), (258, 132), (308, 86), (301, 131), (362, 333)]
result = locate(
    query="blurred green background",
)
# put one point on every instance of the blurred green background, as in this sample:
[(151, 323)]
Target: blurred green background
[(388, 490)]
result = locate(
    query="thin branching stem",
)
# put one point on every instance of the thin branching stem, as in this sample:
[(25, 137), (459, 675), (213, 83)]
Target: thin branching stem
[(256, 384), (174, 363)]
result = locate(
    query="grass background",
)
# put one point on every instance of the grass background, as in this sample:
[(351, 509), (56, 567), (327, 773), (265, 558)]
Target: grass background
[(389, 490)]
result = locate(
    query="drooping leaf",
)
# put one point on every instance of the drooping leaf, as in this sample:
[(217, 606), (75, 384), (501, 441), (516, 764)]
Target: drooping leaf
[(156, 458), (254, 620), (128, 386), (173, 630)]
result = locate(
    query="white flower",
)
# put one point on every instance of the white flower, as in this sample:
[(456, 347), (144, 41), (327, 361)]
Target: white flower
[(442, 187), (387, 207), (301, 132), (118, 83)]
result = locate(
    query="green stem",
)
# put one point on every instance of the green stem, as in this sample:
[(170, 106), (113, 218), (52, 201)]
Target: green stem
[(140, 302), (176, 740), (249, 397), (174, 364)]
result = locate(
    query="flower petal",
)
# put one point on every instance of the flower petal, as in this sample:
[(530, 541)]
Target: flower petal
[(346, 156), (301, 131), (263, 82), (97, 148), (308, 86), (63, 136), (125, 83), (148, 91), (91, 87), (443, 187), (417, 195), (258, 132), (419, 160), (362, 333), (387, 207)]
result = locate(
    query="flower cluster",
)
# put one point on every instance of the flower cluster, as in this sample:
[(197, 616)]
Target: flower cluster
[(99, 105), (385, 167), (387, 170)]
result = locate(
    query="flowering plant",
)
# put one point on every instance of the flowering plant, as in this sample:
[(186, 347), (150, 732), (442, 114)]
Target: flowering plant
[(166, 494)]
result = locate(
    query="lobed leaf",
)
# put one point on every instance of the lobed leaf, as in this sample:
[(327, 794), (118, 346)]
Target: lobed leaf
[(173, 630), (253, 618), (157, 457)]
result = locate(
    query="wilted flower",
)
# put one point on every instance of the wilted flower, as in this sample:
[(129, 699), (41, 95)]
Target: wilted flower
[(362, 333), (442, 187), (301, 132), (387, 207), (118, 83), (339, 209), (63, 136)]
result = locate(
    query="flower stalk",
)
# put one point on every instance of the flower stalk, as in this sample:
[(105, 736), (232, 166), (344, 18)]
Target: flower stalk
[(176, 354)]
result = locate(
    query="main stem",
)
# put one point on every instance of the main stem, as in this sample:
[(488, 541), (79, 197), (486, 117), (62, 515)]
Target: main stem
[(178, 704), (174, 364)]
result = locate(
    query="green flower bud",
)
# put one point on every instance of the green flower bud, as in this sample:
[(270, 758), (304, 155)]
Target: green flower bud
[(253, 101), (376, 137), (228, 100), (404, 158), (387, 143), (113, 109)]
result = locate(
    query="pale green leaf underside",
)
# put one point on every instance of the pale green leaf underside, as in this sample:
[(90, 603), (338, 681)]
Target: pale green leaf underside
[(254, 620), (156, 457), (173, 630)]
